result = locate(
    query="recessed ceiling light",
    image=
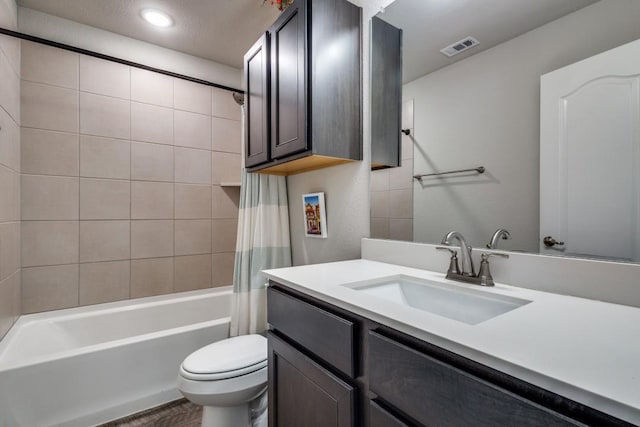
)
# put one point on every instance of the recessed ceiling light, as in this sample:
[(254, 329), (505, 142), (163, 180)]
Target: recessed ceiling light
[(157, 18)]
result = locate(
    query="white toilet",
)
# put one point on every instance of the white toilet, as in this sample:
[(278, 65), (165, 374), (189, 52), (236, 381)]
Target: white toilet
[(224, 377)]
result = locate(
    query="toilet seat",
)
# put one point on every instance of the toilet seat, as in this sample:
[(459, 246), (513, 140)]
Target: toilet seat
[(229, 358)]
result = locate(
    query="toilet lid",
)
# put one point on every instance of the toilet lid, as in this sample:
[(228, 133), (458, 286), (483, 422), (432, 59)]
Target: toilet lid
[(228, 358)]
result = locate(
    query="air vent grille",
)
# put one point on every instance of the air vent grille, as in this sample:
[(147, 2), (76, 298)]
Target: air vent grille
[(460, 46)]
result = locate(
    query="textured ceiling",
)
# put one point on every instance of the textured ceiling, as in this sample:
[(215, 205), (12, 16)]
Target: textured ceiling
[(430, 25), (219, 30)]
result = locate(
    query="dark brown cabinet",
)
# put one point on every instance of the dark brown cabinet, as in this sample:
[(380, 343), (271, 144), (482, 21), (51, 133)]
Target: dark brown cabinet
[(313, 99), (257, 128), (329, 367), (303, 393), (386, 94)]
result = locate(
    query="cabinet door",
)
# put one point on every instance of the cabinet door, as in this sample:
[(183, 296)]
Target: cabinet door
[(386, 99), (288, 82), (302, 393), (256, 72)]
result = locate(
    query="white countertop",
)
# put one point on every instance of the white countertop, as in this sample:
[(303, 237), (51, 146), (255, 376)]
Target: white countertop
[(585, 350)]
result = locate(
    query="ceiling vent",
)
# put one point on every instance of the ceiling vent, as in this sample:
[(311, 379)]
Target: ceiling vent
[(460, 46)]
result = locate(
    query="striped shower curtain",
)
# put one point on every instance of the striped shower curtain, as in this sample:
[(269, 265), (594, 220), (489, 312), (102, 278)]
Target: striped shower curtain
[(263, 243)]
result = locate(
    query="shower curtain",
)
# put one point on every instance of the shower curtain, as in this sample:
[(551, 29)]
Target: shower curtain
[(263, 243)]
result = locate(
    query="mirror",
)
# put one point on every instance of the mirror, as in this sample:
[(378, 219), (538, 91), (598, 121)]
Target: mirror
[(481, 107)]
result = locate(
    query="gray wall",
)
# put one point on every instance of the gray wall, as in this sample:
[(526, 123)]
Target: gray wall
[(484, 110), (9, 170)]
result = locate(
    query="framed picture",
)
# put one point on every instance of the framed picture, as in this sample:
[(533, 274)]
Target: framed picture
[(315, 215)]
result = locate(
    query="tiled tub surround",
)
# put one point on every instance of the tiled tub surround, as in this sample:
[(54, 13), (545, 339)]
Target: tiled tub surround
[(121, 173), (9, 170)]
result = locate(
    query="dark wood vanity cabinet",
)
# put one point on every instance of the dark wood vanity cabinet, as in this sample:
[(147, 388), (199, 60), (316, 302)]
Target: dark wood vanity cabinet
[(311, 61), (329, 367)]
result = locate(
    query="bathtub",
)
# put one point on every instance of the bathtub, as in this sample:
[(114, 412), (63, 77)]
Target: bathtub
[(89, 365)]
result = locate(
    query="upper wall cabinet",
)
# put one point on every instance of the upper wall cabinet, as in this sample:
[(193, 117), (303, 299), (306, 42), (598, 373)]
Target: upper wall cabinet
[(304, 90), (386, 96)]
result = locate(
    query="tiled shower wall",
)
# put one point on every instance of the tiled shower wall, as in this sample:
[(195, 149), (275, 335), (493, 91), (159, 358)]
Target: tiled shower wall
[(9, 170), (392, 190), (121, 173), (392, 198)]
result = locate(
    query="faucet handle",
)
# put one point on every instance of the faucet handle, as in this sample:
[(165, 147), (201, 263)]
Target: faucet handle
[(453, 262), (445, 248), (485, 256), (485, 274)]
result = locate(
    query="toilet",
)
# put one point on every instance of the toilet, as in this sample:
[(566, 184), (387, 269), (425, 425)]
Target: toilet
[(224, 377)]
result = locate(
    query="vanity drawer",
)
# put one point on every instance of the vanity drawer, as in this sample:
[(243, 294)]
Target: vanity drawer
[(434, 393), (324, 334), (380, 417)]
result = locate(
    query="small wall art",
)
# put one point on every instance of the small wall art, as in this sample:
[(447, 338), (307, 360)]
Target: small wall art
[(315, 215)]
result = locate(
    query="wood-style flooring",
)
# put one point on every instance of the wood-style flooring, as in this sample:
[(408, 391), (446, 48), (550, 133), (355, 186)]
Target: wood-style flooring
[(179, 413)]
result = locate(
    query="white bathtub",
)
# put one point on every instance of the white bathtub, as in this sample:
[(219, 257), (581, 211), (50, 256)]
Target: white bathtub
[(89, 365)]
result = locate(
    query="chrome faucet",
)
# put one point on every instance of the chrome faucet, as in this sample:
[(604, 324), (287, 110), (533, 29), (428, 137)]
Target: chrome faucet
[(500, 233), (465, 252), (467, 274)]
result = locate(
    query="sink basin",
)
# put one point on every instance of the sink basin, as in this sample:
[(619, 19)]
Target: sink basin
[(457, 303)]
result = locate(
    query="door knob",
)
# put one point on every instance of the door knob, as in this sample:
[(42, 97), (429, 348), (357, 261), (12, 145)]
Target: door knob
[(550, 242)]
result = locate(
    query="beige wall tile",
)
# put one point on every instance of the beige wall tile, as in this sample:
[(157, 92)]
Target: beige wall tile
[(380, 180), (49, 107), (104, 199), (192, 166), (104, 157), (151, 238), (9, 141), (191, 96), (151, 200), (192, 236), (151, 88), (401, 204), (104, 240), (104, 77), (401, 229), (7, 177), (11, 48), (104, 282), (379, 228), (151, 277), (9, 248), (10, 90), (401, 178), (225, 167), (150, 123), (226, 135), (223, 104), (225, 202), (407, 148), (49, 153), (104, 116), (192, 272), (151, 162), (9, 195), (192, 130), (49, 288), (223, 232), (192, 201), (9, 308), (49, 65), (379, 204), (222, 268), (49, 197)]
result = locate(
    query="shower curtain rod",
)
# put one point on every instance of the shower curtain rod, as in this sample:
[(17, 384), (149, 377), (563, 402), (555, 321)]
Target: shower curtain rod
[(35, 39)]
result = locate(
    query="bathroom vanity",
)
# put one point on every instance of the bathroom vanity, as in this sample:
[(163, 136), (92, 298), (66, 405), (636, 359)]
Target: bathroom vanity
[(350, 344)]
